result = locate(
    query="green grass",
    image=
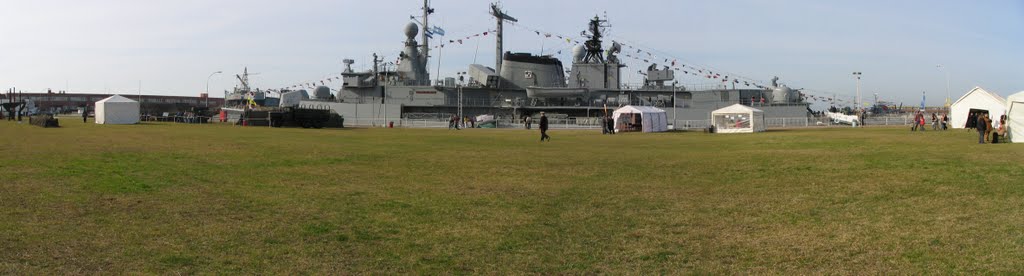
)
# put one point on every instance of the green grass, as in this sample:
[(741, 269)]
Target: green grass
[(169, 199)]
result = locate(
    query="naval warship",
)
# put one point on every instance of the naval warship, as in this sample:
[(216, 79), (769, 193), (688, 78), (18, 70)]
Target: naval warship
[(521, 85)]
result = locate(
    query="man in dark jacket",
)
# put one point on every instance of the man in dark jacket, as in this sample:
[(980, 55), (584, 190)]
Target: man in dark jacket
[(544, 127), (611, 125), (981, 127)]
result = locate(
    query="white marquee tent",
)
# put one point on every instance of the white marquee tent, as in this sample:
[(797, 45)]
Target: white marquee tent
[(976, 99), (738, 118), (117, 110), (640, 118), (1015, 117)]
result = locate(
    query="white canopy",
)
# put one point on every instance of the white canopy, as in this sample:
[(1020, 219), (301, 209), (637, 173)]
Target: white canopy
[(738, 118), (1015, 117), (650, 119), (117, 110), (979, 99)]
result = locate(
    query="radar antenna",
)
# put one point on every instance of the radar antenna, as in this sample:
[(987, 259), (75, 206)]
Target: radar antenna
[(593, 45)]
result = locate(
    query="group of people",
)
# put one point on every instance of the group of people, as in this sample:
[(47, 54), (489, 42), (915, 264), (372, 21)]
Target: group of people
[(985, 126), (939, 122), (459, 123), (607, 125)]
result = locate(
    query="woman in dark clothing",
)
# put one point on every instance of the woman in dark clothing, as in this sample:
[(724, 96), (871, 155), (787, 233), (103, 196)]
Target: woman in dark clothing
[(972, 121)]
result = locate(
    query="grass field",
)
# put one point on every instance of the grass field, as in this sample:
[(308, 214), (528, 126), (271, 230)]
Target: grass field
[(167, 199)]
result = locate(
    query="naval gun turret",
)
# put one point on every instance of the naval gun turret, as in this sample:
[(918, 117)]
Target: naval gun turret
[(782, 94)]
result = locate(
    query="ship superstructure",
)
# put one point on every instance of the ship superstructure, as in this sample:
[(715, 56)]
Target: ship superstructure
[(523, 84)]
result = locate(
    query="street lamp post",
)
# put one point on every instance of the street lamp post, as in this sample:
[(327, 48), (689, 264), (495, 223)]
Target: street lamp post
[(208, 87), (675, 105), (940, 67), (856, 102)]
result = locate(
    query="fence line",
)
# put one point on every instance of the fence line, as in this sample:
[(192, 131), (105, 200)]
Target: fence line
[(595, 122)]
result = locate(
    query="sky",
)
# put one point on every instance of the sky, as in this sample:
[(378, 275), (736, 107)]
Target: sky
[(172, 47)]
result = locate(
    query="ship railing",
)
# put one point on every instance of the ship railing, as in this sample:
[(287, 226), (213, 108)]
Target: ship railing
[(684, 86)]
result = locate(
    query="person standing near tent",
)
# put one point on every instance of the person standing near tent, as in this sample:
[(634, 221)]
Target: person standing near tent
[(980, 125), (544, 127), (945, 121), (1000, 129), (988, 127), (611, 125), (972, 120), (85, 114)]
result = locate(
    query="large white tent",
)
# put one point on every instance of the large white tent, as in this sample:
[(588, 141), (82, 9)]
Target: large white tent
[(977, 99), (640, 118), (1015, 117), (117, 110), (738, 118)]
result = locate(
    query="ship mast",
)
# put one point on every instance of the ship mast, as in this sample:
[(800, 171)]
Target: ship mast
[(426, 31), (501, 17)]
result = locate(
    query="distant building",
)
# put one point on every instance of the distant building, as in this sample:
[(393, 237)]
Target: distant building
[(150, 104)]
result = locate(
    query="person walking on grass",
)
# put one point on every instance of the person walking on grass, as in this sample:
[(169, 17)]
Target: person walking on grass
[(544, 127), (85, 115), (980, 126)]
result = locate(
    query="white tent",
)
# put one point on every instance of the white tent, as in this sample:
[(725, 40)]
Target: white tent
[(738, 118), (117, 110), (642, 118), (1015, 117), (976, 99)]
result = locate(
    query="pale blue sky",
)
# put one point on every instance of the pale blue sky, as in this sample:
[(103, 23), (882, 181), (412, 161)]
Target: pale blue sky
[(171, 46)]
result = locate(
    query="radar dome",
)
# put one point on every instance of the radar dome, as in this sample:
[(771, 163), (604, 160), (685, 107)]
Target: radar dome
[(411, 30), (577, 53), (322, 93)]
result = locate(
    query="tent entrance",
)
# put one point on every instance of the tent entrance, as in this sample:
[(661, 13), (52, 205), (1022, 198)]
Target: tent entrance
[(978, 111), (631, 123)]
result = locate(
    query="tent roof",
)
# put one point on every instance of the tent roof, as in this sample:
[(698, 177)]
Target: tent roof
[(116, 99), (982, 92), (737, 108), (1019, 97), (639, 109)]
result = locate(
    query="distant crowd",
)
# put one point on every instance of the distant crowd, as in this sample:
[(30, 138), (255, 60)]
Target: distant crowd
[(939, 122)]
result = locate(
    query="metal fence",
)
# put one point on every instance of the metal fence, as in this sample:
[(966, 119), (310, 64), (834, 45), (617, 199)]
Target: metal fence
[(595, 122)]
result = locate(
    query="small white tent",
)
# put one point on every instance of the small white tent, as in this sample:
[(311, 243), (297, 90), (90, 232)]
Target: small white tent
[(738, 118), (117, 110), (979, 100), (640, 118), (1015, 117)]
